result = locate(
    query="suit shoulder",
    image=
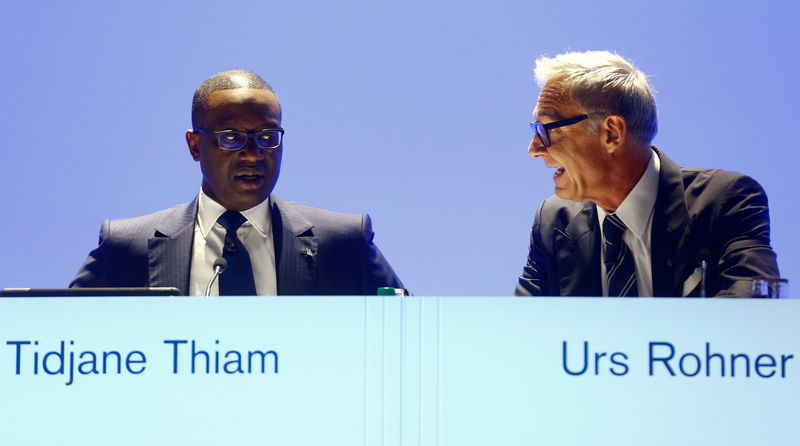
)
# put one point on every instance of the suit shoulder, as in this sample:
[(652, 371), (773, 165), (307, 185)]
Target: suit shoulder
[(151, 217), (328, 221), (697, 180), (322, 213), (142, 225)]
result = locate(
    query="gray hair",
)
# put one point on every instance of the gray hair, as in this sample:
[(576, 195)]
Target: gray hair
[(601, 81)]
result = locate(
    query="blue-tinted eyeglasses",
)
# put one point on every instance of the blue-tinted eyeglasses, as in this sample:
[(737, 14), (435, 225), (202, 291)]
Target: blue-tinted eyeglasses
[(267, 139), (542, 130)]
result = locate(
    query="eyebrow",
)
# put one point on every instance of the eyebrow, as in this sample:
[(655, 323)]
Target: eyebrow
[(547, 113)]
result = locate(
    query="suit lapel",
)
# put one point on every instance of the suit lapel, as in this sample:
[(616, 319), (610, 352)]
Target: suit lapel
[(671, 235), (170, 249), (296, 249), (577, 250)]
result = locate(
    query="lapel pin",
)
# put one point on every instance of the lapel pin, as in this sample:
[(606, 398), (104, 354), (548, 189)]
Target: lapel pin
[(309, 252)]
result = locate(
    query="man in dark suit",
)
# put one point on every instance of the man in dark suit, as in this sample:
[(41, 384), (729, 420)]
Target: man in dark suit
[(626, 220), (271, 247)]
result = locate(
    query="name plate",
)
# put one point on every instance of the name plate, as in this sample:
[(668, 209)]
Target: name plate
[(402, 371)]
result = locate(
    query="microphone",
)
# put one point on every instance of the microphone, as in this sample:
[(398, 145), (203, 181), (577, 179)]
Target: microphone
[(702, 258), (219, 267)]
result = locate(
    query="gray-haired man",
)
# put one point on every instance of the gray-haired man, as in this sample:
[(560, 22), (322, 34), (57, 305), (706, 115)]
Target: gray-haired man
[(626, 220)]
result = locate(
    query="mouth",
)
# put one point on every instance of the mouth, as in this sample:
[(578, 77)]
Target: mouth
[(249, 175), (558, 172)]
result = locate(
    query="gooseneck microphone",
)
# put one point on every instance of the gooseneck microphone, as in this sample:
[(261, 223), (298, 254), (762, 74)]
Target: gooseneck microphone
[(702, 259), (219, 267)]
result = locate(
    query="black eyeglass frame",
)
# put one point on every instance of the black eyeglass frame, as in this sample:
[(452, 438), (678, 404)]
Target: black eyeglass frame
[(543, 130), (247, 135)]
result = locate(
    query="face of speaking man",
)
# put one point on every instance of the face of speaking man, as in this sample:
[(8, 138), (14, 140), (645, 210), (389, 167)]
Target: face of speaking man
[(580, 160), (237, 179)]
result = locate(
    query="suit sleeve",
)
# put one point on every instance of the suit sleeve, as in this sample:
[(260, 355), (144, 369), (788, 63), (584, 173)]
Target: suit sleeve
[(95, 271), (533, 281), (744, 243), (377, 272)]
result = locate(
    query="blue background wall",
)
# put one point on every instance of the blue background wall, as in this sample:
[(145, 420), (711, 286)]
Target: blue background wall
[(414, 112)]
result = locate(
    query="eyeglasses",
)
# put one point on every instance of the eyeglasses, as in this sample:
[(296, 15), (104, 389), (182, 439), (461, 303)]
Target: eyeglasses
[(542, 130), (267, 139)]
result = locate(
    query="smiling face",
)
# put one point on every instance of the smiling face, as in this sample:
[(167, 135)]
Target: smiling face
[(580, 160), (239, 179)]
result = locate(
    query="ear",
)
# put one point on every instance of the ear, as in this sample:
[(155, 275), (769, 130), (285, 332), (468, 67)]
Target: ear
[(193, 140), (614, 132)]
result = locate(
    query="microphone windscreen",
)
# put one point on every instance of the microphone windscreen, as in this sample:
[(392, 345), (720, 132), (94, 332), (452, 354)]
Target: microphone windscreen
[(220, 263)]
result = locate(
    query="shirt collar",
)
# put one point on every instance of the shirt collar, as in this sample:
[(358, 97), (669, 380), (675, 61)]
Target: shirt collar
[(208, 211), (636, 209)]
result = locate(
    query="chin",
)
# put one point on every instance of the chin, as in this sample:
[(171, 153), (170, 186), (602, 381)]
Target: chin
[(567, 195)]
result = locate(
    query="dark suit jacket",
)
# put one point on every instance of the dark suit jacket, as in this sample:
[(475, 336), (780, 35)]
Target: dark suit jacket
[(156, 250), (725, 212)]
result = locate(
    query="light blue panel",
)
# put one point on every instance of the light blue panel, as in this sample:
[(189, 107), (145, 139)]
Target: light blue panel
[(374, 379), (412, 371), (407, 371), (503, 380), (319, 384), (393, 391), (429, 372)]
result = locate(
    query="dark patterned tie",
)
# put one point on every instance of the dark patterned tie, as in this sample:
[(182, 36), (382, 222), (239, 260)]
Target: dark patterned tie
[(620, 269), (237, 280)]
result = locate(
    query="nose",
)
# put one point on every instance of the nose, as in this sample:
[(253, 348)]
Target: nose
[(251, 150), (536, 149)]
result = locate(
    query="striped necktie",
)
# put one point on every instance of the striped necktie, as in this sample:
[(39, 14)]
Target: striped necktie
[(620, 269)]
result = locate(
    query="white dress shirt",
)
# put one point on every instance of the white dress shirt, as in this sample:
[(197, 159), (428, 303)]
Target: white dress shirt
[(209, 237), (636, 211)]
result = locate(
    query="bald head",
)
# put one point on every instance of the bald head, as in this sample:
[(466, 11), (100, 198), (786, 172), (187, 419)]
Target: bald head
[(225, 80)]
